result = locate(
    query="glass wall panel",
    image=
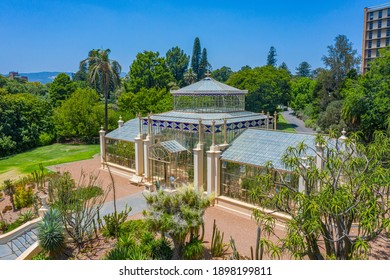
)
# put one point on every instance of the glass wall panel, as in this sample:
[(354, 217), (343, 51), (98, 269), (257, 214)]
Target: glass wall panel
[(120, 152)]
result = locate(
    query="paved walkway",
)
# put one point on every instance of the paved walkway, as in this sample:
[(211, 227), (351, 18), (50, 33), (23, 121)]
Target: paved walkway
[(298, 124)]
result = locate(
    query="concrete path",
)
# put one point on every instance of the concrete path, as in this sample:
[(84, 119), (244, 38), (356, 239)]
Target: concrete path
[(136, 202), (298, 124)]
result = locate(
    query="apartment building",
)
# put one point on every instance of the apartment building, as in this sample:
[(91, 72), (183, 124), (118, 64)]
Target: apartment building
[(376, 33)]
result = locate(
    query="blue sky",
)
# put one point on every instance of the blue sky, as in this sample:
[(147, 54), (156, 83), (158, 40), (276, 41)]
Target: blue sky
[(55, 35)]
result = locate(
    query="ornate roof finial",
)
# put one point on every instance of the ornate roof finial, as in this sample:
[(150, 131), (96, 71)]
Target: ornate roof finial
[(343, 136), (208, 74)]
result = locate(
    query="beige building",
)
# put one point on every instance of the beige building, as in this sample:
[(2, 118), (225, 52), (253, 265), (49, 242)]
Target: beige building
[(376, 33)]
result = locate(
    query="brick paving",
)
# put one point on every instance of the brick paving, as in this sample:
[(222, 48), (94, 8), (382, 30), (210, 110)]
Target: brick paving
[(239, 226)]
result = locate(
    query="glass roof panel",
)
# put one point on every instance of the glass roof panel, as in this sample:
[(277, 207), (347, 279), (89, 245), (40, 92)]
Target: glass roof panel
[(257, 147), (173, 146), (128, 132), (208, 85)]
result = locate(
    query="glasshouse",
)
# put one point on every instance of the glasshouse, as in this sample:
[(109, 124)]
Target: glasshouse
[(208, 140)]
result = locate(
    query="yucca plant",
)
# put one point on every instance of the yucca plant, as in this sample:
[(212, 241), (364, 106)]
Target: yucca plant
[(51, 234), (26, 216)]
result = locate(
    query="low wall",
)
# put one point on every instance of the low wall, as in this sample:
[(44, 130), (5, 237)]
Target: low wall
[(245, 209), (5, 238), (31, 252)]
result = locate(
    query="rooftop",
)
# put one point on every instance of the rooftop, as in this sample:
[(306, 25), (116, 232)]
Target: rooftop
[(128, 132), (257, 147), (208, 86)]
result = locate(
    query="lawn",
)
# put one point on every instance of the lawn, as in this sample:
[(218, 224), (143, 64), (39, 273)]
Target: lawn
[(283, 125), (24, 163)]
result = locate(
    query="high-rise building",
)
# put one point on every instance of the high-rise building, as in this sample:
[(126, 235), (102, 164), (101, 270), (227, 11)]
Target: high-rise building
[(376, 33)]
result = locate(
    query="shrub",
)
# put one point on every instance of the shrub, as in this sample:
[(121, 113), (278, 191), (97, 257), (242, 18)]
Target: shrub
[(45, 139), (133, 226), (113, 221), (23, 196), (161, 249), (13, 226), (127, 253), (40, 257), (193, 250), (3, 226)]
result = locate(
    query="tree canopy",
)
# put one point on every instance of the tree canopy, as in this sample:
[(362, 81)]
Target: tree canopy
[(60, 89), (222, 74), (339, 205), (177, 62), (267, 87), (24, 118), (303, 70), (148, 70), (341, 59)]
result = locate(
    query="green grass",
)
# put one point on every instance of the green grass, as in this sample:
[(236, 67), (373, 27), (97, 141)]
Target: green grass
[(283, 125), (25, 163)]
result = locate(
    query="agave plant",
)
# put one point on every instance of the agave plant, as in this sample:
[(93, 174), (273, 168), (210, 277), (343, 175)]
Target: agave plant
[(51, 234)]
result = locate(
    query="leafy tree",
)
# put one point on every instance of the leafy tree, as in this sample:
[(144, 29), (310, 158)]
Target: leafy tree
[(177, 62), (60, 89), (103, 74), (204, 65), (82, 74), (271, 58), (343, 203), (302, 92), (246, 67), (285, 67), (146, 101), (331, 119), (303, 70), (267, 87), (341, 59), (367, 100), (222, 74), (196, 57), (148, 71), (23, 118), (77, 117), (179, 214)]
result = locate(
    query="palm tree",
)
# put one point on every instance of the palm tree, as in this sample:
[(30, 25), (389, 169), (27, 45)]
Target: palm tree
[(103, 74)]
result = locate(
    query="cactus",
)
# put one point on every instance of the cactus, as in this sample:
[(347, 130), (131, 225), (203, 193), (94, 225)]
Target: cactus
[(218, 248), (235, 255)]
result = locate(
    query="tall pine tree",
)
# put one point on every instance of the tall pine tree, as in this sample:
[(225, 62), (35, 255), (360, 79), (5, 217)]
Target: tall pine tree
[(271, 58), (204, 65), (196, 57)]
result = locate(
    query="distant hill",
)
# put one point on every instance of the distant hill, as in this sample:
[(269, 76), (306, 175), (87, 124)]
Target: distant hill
[(43, 77), (47, 77)]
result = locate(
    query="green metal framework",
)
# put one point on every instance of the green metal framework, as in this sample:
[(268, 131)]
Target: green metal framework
[(238, 180), (120, 152), (209, 103), (170, 167)]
